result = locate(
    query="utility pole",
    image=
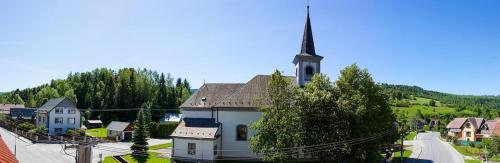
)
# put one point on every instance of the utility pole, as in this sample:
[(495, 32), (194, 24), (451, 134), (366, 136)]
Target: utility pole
[(84, 152), (485, 154), (402, 140)]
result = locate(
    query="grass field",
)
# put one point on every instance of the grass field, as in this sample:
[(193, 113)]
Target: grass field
[(423, 101), (397, 158), (97, 132), (152, 158), (160, 146)]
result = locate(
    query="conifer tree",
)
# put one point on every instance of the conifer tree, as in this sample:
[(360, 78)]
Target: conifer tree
[(140, 145)]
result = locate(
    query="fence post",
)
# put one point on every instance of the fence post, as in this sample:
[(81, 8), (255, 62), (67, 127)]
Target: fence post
[(73, 139), (61, 138), (49, 138), (36, 138)]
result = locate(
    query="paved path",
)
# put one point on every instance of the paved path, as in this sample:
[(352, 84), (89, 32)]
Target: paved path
[(427, 148)]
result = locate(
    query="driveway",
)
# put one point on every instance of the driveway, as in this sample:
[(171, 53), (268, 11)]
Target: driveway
[(428, 148)]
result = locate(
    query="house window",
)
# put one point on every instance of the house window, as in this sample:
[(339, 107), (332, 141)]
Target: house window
[(467, 134), (467, 125), (191, 148), (58, 130), (71, 111), (215, 149), (309, 70), (241, 132), (58, 120), (71, 120), (59, 110)]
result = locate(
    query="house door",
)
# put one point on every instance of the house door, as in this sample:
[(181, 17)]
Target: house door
[(127, 136)]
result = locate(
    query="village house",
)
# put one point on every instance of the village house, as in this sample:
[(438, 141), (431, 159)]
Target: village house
[(22, 113), (473, 129), (58, 115), (120, 131), (5, 108), (216, 119)]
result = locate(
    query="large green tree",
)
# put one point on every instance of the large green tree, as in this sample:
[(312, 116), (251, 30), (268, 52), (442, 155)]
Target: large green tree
[(140, 145), (321, 120), (368, 110), (278, 127)]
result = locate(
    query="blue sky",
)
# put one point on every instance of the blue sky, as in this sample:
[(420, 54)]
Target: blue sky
[(446, 45)]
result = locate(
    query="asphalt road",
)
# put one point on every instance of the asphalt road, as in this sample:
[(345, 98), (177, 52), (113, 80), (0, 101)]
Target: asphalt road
[(28, 152), (434, 150)]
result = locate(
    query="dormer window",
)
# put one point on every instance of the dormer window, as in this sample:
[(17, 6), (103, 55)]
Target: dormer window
[(467, 125), (309, 70)]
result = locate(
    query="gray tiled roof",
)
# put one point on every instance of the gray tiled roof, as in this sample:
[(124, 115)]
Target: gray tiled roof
[(249, 95), (201, 128), (117, 126), (52, 103)]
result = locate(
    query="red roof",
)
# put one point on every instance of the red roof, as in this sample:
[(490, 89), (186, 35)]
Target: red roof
[(6, 155)]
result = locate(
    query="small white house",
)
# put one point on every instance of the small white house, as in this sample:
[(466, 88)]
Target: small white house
[(58, 115), (120, 130)]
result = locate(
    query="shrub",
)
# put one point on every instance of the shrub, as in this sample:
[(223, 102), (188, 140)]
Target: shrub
[(41, 130), (26, 126), (454, 140), (71, 132), (162, 130), (426, 128), (472, 144)]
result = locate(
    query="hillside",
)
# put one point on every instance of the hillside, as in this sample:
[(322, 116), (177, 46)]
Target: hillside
[(410, 103)]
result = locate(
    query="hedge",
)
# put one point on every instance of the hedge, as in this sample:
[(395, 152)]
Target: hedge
[(162, 130)]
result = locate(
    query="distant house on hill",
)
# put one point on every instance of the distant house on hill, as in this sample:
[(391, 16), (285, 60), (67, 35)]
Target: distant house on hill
[(22, 113), (171, 117), (58, 115), (5, 108), (120, 130)]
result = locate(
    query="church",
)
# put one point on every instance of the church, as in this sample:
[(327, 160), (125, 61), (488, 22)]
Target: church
[(217, 118)]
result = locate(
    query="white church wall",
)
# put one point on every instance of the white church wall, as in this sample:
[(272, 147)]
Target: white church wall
[(229, 120)]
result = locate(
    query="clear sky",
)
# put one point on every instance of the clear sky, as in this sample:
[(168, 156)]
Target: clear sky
[(445, 45)]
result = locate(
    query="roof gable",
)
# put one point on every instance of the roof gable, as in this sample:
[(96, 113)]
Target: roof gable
[(118, 126), (57, 102)]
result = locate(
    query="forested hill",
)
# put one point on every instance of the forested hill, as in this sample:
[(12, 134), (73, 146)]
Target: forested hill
[(460, 102), (106, 89)]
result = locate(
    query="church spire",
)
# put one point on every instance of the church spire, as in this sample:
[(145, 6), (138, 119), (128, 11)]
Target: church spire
[(307, 39)]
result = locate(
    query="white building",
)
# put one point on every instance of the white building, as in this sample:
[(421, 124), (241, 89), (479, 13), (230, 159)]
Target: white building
[(216, 119), (58, 115)]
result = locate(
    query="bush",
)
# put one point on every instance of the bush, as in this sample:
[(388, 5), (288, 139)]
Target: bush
[(472, 144), (26, 126), (162, 130), (72, 132), (454, 140), (426, 128), (41, 130)]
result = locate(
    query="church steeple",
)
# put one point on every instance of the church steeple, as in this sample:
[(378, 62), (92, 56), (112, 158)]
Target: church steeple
[(307, 62), (307, 38)]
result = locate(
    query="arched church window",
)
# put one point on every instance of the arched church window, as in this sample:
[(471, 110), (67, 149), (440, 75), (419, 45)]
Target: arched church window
[(309, 70), (241, 132)]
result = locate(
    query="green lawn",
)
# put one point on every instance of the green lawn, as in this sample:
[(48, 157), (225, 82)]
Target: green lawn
[(397, 158), (411, 135), (152, 158), (97, 132), (472, 161), (160, 146)]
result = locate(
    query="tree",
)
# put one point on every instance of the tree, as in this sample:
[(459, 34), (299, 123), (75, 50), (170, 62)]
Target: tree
[(322, 121), (45, 94), (368, 111), (278, 126), (140, 145), (16, 99), (432, 103)]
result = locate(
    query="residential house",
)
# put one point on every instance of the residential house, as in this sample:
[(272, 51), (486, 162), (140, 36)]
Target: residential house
[(58, 115), (5, 108), (93, 124), (171, 117), (466, 129), (22, 113), (120, 131), (216, 119)]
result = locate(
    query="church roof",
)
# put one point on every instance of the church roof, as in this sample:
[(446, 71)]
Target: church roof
[(307, 38), (249, 95), (201, 128)]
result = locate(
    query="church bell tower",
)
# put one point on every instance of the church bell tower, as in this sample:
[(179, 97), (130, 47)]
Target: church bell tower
[(307, 62)]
